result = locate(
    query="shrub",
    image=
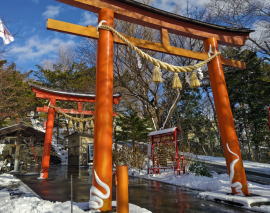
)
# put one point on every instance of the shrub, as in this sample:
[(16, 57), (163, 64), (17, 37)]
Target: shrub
[(127, 156), (199, 169)]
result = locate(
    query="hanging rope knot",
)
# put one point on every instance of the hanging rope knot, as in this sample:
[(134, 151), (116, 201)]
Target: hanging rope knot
[(176, 83), (157, 75), (81, 125), (194, 81), (70, 123)]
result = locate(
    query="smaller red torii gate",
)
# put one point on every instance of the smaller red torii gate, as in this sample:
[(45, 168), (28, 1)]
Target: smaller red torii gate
[(57, 95)]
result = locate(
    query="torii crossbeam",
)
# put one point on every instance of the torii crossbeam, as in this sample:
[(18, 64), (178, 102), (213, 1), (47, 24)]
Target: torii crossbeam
[(134, 12)]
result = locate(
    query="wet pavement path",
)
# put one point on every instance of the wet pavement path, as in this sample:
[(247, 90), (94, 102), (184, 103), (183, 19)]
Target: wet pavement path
[(155, 196)]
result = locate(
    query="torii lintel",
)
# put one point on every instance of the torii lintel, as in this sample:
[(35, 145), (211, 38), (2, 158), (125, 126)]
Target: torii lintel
[(46, 93), (138, 13), (164, 47)]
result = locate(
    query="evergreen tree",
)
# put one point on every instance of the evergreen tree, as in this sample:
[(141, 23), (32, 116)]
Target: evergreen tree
[(16, 98), (77, 77), (249, 91), (131, 127)]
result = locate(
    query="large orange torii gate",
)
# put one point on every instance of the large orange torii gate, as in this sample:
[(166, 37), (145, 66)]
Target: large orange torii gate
[(165, 22), (53, 96)]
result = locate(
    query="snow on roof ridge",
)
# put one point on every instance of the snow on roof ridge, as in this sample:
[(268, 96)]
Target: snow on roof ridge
[(162, 131)]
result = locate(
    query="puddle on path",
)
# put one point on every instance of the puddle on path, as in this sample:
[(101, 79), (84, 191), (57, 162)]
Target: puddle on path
[(155, 196)]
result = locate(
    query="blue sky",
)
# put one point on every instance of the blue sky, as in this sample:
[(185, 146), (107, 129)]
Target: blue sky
[(34, 44), (26, 20)]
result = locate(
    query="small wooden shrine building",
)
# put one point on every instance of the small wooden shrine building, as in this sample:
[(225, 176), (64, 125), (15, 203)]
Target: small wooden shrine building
[(17, 138)]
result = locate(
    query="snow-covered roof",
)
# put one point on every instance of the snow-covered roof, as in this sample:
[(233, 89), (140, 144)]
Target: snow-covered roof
[(162, 131)]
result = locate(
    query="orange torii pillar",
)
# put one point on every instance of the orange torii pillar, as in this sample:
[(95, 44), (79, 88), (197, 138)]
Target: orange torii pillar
[(229, 139), (45, 165), (122, 189), (103, 129)]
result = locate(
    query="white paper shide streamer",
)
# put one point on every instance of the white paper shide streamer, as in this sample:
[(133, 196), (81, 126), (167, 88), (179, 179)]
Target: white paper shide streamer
[(139, 62), (96, 196), (200, 73), (187, 78), (5, 34), (236, 185)]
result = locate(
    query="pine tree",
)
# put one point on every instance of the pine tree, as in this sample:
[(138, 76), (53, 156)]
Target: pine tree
[(249, 91), (16, 98), (131, 127)]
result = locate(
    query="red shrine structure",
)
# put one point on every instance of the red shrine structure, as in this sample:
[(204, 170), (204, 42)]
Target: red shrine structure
[(165, 151), (53, 96)]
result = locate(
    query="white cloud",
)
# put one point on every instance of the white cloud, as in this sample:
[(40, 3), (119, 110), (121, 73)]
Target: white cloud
[(174, 5), (37, 49), (51, 11), (88, 19), (261, 34), (261, 30)]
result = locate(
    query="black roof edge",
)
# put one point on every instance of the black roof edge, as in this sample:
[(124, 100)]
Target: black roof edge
[(183, 18)]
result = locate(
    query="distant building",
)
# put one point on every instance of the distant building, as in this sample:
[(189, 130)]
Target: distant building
[(80, 149)]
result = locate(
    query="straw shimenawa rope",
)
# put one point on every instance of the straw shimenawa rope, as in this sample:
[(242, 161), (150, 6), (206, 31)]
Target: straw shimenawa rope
[(155, 61), (71, 117)]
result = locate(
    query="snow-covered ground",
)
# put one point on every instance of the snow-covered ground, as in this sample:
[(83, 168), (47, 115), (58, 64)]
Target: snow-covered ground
[(218, 188), (16, 197), (249, 165), (219, 182), (214, 188)]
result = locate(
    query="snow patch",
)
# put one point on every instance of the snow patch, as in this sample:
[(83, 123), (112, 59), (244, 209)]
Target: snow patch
[(34, 204), (8, 180), (244, 202), (216, 187), (263, 168), (217, 182), (2, 147)]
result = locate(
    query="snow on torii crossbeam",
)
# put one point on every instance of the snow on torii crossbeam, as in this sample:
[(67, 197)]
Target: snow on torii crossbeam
[(134, 12)]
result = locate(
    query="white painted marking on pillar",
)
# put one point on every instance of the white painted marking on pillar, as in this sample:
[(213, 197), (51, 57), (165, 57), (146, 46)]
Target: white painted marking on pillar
[(96, 196), (237, 185)]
